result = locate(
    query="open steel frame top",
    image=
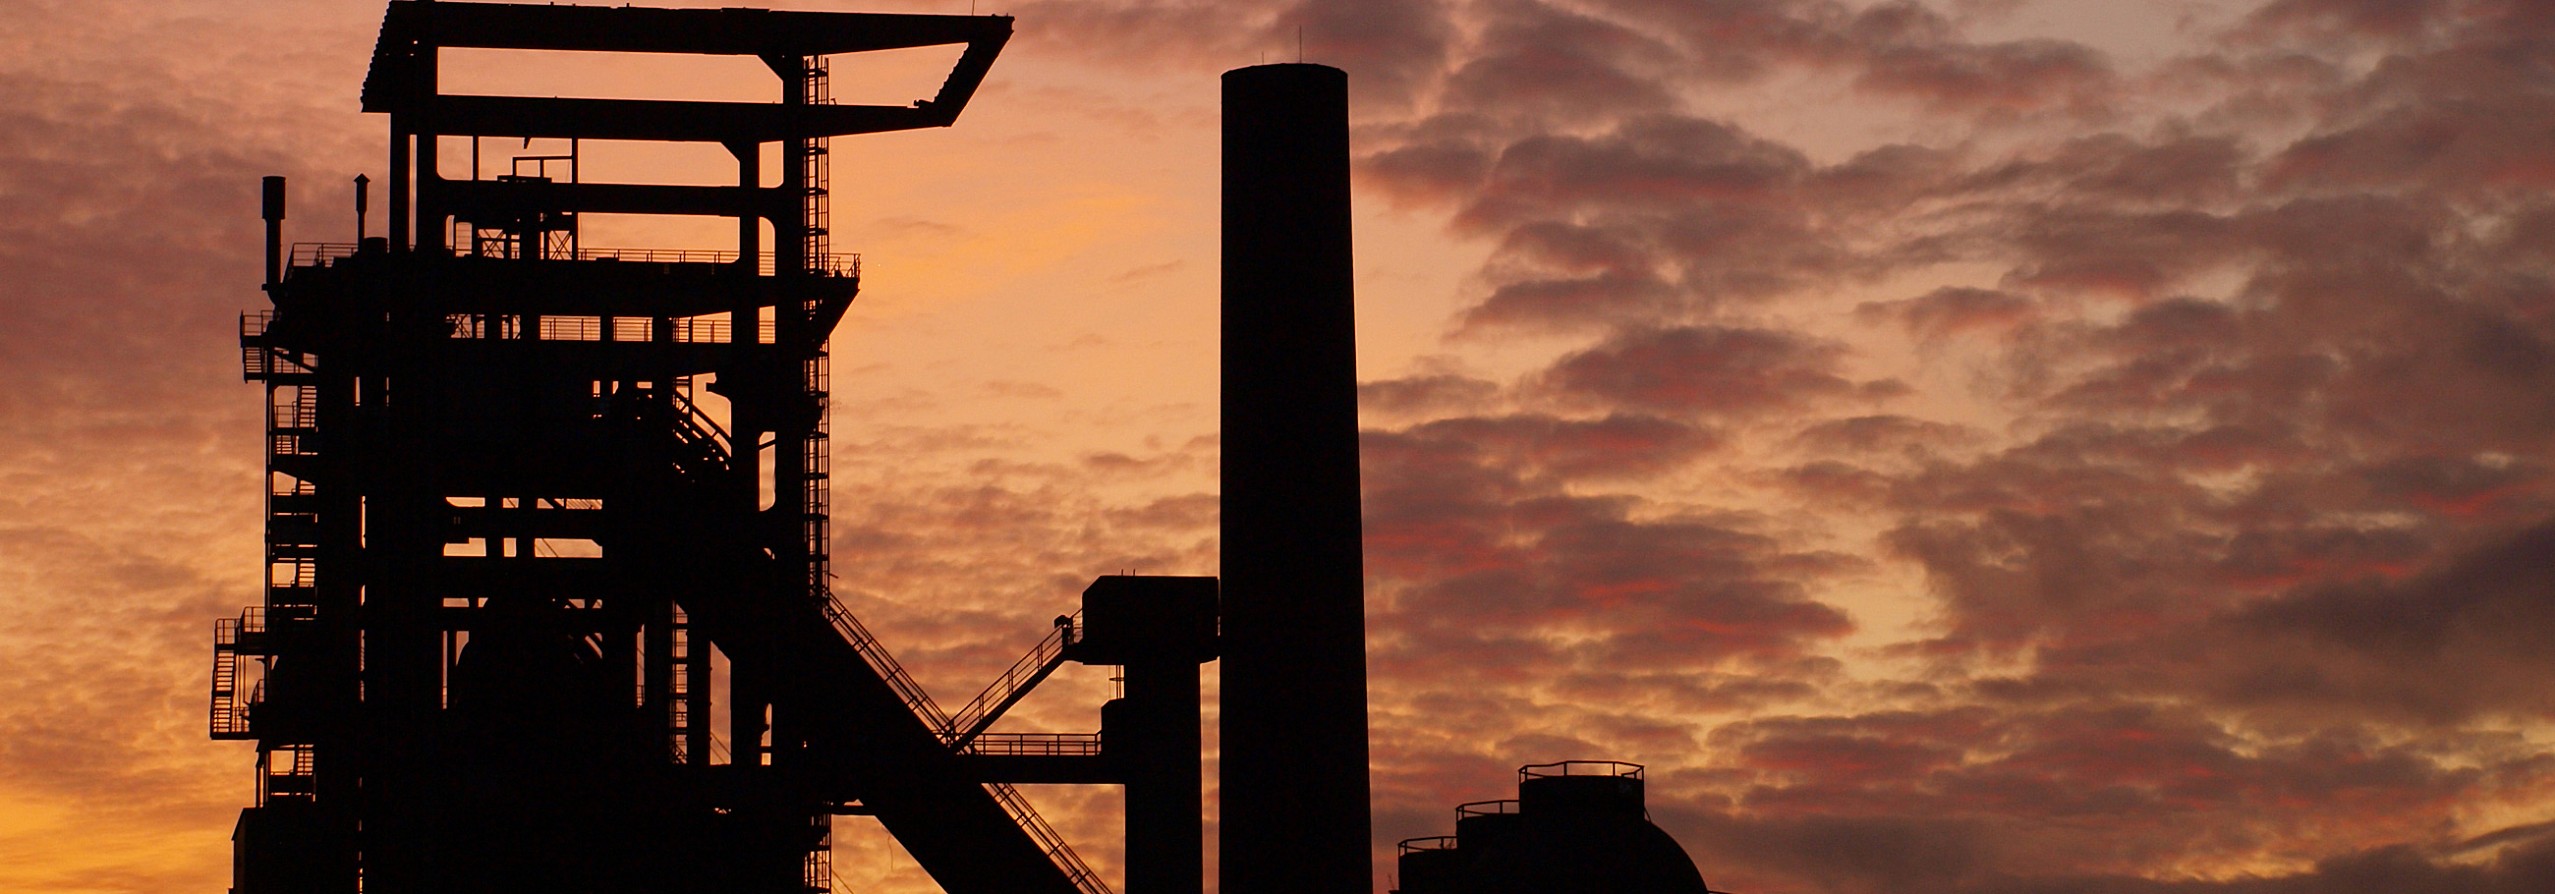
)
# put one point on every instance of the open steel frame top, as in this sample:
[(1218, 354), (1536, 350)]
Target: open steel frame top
[(402, 79)]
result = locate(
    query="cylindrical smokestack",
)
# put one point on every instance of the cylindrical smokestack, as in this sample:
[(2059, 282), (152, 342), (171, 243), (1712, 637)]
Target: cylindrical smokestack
[(1294, 816), (272, 210)]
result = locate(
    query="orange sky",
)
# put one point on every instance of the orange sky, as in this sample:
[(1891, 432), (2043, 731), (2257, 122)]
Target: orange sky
[(1978, 445)]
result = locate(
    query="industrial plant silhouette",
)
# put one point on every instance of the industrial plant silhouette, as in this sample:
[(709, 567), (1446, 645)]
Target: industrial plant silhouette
[(526, 492)]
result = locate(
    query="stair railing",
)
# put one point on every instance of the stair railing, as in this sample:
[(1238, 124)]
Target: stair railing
[(1014, 683), (696, 428), (1084, 878)]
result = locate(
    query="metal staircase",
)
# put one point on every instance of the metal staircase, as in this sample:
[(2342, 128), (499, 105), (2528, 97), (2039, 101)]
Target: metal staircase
[(292, 551), (1014, 684), (702, 454), (260, 359), (230, 711), (1076, 871), (1057, 849)]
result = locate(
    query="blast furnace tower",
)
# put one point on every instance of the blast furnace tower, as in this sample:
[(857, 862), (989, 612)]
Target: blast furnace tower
[(547, 600)]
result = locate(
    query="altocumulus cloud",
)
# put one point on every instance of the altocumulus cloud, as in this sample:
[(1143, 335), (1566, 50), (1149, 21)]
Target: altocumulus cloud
[(2193, 407)]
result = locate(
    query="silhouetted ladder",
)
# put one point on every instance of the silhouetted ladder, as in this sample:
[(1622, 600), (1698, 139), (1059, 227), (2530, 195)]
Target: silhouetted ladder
[(815, 376), (678, 716), (818, 90)]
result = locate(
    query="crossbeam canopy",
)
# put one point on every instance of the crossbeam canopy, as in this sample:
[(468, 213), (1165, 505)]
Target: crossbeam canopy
[(402, 76)]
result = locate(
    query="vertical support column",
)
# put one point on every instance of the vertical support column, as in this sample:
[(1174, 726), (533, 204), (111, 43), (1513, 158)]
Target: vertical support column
[(696, 686), (749, 224), (748, 699), (1166, 847), (1294, 817), (401, 181), (405, 808), (790, 237), (656, 674), (433, 232), (340, 759), (1159, 629), (789, 265)]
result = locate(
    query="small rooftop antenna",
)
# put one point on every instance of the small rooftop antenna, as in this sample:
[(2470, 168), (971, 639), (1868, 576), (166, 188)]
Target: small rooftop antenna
[(1299, 44)]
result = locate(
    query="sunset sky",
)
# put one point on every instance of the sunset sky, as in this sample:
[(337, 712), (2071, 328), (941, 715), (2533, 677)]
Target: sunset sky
[(1969, 446)]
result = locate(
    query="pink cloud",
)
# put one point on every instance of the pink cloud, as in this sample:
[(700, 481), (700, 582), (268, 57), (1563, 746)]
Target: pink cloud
[(1709, 371)]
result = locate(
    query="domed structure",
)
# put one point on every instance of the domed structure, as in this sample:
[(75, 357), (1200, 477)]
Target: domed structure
[(1577, 826)]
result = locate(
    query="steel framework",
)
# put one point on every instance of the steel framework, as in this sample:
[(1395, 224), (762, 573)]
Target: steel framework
[(529, 497)]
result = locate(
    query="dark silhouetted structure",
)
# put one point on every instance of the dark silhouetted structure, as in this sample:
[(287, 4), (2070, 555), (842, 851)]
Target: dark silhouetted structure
[(1294, 815), (541, 513), (1576, 826)]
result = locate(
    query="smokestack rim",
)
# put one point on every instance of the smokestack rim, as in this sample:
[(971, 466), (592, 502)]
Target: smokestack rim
[(1287, 71)]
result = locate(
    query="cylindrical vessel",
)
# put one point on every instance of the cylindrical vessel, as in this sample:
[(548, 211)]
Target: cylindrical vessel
[(1294, 792)]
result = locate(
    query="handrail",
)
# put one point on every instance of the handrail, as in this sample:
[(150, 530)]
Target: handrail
[(1014, 683), (258, 358), (885, 664), (830, 264), (715, 329), (689, 429), (1428, 843), (1035, 744), (698, 422), (875, 654), (1022, 814), (1624, 769), (298, 416), (225, 714), (1076, 871)]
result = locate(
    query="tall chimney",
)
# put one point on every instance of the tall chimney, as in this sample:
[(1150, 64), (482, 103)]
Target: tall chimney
[(1294, 817)]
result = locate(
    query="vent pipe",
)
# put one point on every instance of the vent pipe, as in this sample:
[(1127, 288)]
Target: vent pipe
[(272, 211), (1294, 816)]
